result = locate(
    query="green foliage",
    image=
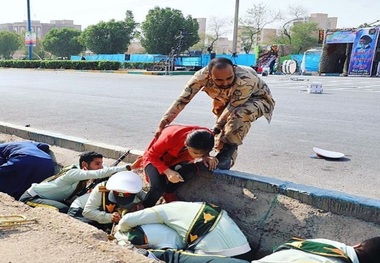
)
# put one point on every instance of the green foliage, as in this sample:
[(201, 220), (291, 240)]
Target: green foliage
[(110, 37), (63, 42), (303, 36), (28, 64), (61, 64), (161, 31), (10, 42), (39, 51), (109, 65), (137, 65)]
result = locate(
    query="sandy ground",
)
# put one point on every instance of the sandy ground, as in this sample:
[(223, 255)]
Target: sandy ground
[(56, 237)]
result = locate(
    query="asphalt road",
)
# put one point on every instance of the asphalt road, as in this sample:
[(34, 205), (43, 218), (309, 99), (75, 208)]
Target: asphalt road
[(124, 110)]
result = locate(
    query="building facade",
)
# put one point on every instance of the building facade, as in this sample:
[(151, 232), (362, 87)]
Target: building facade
[(323, 20), (202, 30), (41, 29)]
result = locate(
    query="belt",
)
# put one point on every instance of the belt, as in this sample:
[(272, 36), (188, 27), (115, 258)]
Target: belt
[(32, 192)]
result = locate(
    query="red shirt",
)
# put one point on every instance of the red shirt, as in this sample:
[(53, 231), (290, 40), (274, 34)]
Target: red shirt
[(169, 149)]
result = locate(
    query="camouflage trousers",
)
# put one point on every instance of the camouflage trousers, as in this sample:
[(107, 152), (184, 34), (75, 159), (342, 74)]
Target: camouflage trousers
[(239, 122)]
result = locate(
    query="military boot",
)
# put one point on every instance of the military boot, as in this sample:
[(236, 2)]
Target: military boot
[(225, 156)]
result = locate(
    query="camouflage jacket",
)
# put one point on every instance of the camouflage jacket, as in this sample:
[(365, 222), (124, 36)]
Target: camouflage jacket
[(247, 86)]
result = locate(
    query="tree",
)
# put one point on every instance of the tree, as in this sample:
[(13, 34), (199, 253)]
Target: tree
[(10, 42), (110, 37), (63, 42), (217, 27), (38, 51), (256, 19), (304, 36), (295, 12), (165, 30)]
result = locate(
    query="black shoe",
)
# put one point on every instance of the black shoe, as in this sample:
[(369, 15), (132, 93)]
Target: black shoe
[(225, 156), (142, 251), (146, 253)]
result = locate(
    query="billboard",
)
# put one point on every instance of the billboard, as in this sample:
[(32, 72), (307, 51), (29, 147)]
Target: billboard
[(363, 51), (342, 36), (30, 38)]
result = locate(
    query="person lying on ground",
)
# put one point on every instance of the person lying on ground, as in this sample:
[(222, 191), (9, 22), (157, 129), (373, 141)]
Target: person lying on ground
[(23, 163), (204, 228), (111, 199), (180, 256), (170, 160), (324, 250), (150, 236), (160, 242), (59, 190)]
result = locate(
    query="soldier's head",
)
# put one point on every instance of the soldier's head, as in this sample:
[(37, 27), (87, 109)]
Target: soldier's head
[(91, 161), (222, 72), (368, 251), (199, 143), (123, 187)]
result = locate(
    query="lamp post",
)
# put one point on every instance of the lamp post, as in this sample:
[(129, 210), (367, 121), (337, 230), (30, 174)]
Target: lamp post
[(236, 22), (30, 45)]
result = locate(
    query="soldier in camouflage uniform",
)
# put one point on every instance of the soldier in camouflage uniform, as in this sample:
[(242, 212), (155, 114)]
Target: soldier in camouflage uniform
[(239, 98)]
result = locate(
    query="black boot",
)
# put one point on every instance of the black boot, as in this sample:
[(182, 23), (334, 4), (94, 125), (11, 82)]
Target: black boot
[(225, 156)]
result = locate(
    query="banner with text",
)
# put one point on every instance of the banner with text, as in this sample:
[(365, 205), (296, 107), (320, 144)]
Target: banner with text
[(363, 51)]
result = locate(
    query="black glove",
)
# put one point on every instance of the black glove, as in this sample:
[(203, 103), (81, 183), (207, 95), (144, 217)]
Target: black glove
[(215, 130)]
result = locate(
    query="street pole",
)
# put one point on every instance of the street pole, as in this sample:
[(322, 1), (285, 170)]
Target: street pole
[(30, 46), (236, 22)]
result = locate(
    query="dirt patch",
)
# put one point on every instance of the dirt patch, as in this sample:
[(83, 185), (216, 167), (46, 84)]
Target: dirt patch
[(56, 237)]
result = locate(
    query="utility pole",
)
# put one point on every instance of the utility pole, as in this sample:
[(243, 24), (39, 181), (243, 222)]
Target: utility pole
[(236, 22), (30, 45)]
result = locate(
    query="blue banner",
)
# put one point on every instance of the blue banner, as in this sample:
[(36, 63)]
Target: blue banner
[(363, 51), (344, 36)]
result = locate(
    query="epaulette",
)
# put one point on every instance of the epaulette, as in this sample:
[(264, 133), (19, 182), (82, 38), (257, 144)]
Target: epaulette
[(103, 189)]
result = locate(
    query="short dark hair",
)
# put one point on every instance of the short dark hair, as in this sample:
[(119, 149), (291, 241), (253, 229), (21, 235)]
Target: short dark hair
[(200, 140), (368, 251), (219, 63), (88, 157)]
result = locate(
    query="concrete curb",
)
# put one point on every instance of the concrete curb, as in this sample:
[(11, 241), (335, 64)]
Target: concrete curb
[(143, 72), (340, 203), (336, 202), (67, 142)]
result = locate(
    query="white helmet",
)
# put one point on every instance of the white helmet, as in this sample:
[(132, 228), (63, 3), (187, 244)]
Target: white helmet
[(123, 187)]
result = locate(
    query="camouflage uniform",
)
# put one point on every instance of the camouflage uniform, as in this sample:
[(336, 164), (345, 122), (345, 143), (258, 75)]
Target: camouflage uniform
[(245, 101)]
